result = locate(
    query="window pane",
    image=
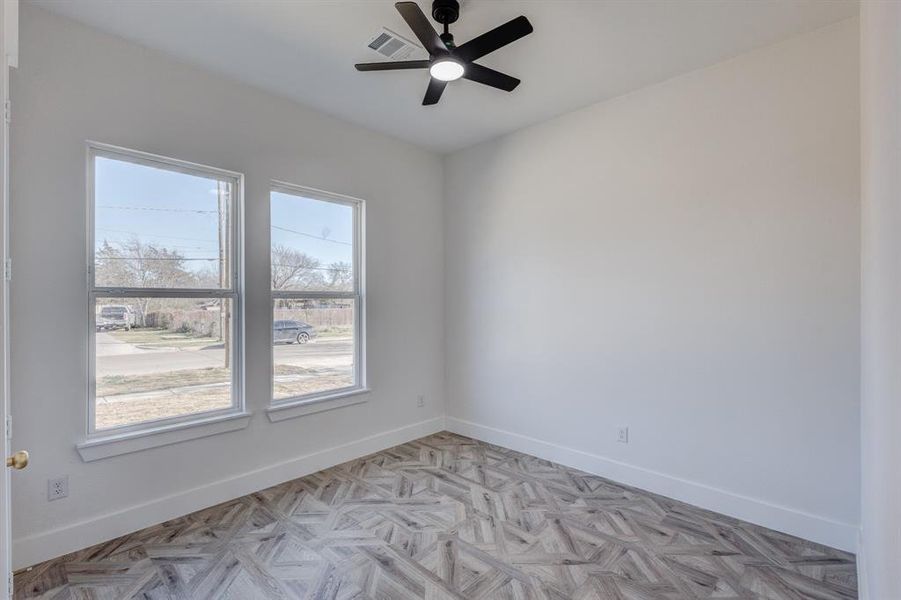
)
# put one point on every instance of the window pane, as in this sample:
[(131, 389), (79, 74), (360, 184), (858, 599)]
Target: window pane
[(159, 228), (313, 346), (158, 358), (312, 244)]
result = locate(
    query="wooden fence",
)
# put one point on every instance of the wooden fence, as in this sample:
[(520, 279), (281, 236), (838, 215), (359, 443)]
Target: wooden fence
[(208, 323), (317, 317)]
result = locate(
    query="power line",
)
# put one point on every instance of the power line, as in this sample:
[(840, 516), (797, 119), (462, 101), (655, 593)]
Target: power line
[(173, 258), (168, 237), (313, 268), (310, 235), (160, 209), (179, 246), (172, 237), (161, 258)]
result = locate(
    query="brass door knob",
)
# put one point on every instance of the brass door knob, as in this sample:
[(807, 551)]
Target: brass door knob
[(19, 460)]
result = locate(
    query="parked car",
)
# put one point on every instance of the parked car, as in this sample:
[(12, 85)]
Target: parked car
[(292, 331), (115, 316)]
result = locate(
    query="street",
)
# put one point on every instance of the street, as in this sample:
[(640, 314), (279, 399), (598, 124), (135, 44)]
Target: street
[(115, 357)]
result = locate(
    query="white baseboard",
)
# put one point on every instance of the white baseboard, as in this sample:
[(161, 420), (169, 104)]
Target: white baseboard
[(816, 528), (56, 542)]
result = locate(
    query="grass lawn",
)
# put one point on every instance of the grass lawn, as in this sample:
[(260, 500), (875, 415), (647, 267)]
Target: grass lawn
[(161, 405), (169, 394), (330, 381), (114, 385), (335, 331), (150, 337)]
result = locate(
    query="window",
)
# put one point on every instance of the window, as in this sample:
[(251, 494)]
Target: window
[(317, 297), (164, 282)]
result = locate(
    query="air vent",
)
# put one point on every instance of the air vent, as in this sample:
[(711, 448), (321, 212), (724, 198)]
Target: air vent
[(389, 44)]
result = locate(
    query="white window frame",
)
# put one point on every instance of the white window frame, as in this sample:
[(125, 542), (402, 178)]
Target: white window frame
[(284, 408), (234, 293)]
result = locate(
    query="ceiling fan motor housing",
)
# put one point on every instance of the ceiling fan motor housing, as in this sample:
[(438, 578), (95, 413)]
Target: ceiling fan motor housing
[(445, 11)]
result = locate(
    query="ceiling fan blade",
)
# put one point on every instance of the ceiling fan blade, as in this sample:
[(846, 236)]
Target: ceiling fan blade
[(487, 76), (498, 37), (420, 25), (434, 91), (391, 66)]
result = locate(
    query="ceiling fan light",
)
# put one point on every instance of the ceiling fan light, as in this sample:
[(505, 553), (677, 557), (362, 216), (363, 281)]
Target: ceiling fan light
[(446, 70)]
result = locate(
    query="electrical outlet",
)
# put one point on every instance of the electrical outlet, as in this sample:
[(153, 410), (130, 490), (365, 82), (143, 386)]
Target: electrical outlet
[(58, 488), (622, 435), (420, 402)]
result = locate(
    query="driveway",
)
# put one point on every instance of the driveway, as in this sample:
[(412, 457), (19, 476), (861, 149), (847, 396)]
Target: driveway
[(109, 345)]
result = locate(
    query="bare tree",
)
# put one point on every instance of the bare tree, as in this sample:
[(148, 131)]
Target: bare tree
[(209, 276), (135, 263), (292, 269), (340, 276)]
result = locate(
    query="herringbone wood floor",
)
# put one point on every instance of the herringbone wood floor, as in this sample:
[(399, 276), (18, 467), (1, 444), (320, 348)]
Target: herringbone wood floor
[(449, 517)]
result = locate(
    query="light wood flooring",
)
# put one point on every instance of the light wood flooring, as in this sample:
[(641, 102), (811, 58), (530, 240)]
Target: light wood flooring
[(447, 517)]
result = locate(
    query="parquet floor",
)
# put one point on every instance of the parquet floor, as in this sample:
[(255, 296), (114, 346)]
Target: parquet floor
[(447, 517)]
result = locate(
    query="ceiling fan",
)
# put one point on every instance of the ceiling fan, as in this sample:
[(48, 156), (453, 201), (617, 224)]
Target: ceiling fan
[(447, 61)]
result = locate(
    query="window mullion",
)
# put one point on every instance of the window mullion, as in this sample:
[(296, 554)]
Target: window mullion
[(109, 292)]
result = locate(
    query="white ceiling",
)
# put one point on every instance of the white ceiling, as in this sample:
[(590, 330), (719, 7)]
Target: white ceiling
[(582, 52)]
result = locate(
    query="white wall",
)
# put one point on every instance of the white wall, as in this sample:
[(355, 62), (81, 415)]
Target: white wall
[(682, 260), (75, 84), (880, 56)]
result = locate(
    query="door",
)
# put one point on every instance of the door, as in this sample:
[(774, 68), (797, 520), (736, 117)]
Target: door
[(9, 41)]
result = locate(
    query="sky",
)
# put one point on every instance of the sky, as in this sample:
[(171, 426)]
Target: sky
[(180, 212), (316, 228)]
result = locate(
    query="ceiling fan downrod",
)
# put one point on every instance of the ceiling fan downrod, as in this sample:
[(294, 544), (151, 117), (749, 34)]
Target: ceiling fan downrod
[(446, 12)]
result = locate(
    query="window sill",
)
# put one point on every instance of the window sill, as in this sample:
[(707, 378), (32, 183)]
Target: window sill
[(291, 409), (100, 447)]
